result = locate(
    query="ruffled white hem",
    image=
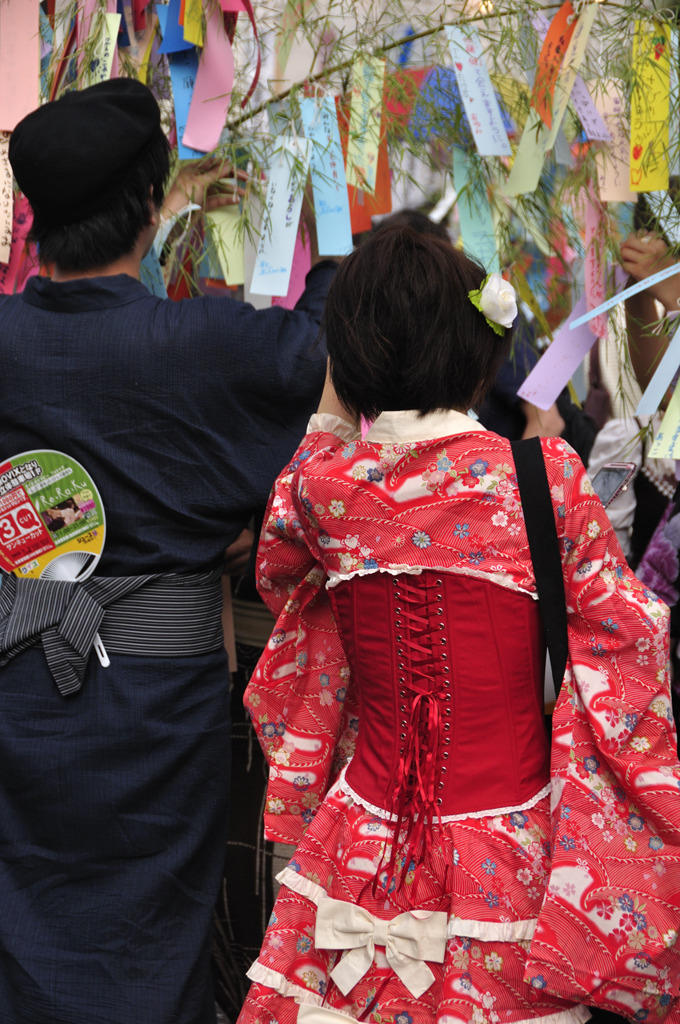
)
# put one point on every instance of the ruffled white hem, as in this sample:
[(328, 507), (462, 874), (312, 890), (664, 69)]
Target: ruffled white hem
[(380, 812), (500, 578), (486, 931), (309, 1014), (279, 983)]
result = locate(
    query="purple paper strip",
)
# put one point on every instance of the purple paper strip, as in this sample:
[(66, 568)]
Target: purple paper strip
[(559, 362)]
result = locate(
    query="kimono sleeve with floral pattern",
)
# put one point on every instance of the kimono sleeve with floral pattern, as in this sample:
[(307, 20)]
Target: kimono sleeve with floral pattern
[(607, 932), (297, 697)]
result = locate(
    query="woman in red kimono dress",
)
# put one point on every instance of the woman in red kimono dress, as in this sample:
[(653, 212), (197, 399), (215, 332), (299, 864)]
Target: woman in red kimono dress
[(456, 869)]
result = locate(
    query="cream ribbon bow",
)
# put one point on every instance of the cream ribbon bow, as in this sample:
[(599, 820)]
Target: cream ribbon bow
[(408, 942)]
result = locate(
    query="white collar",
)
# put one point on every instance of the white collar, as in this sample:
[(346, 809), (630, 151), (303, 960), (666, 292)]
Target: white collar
[(407, 425)]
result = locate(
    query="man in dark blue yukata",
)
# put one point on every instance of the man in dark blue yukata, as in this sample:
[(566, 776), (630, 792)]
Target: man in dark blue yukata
[(114, 780)]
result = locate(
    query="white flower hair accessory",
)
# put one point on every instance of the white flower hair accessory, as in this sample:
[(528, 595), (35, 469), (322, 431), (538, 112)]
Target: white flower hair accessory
[(497, 301)]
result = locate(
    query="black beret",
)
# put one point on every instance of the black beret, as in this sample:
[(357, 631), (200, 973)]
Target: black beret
[(71, 156)]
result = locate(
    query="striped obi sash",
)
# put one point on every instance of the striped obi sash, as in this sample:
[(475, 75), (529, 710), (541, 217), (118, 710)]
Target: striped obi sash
[(162, 615)]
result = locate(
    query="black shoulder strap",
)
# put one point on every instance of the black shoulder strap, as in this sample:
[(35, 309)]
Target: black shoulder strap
[(544, 546)]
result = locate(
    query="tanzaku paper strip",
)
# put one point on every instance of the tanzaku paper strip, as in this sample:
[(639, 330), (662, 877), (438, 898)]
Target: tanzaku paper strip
[(639, 286), (364, 123), (649, 106), (663, 375)]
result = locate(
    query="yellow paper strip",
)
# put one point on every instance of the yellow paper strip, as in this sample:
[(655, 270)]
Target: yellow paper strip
[(228, 242), (529, 158), (146, 59), (6, 199), (649, 107), (193, 22), (667, 441), (529, 299), (536, 138), (364, 124), (102, 57)]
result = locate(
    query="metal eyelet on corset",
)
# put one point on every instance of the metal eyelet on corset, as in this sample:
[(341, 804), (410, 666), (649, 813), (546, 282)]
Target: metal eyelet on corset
[(439, 611), (440, 801), (444, 640), (402, 736), (444, 655), (447, 726), (438, 597), (438, 583)]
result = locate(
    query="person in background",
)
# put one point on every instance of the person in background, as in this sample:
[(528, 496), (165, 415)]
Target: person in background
[(114, 773), (642, 254)]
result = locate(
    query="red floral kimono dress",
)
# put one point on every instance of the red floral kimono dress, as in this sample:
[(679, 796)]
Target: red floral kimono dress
[(455, 868)]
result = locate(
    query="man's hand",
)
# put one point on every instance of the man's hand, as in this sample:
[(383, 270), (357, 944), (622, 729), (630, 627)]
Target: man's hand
[(644, 255), (204, 183)]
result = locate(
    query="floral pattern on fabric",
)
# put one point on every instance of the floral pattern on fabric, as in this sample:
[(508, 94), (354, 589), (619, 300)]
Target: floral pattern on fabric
[(601, 872)]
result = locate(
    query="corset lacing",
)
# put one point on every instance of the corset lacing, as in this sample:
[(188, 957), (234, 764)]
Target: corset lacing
[(424, 686)]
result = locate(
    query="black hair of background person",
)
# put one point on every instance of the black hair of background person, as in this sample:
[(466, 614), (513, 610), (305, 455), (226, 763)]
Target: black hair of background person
[(111, 233), (442, 354)]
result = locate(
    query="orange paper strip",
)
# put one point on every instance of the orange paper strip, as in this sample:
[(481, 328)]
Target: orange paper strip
[(550, 61)]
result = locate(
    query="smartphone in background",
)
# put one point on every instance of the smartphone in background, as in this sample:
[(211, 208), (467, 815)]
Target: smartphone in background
[(613, 478)]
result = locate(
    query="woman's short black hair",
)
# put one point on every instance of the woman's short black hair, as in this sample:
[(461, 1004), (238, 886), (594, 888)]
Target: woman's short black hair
[(111, 233), (401, 330)]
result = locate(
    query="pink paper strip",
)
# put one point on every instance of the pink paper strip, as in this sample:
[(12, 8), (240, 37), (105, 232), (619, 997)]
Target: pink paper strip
[(302, 264), (212, 91), (594, 262), (19, 60), (559, 362), (23, 262), (84, 17), (233, 6)]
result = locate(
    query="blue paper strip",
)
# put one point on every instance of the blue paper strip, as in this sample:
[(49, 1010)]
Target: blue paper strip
[(663, 375), (439, 111), (173, 33), (183, 70), (151, 275), (474, 213), (331, 202), (639, 286), (123, 34)]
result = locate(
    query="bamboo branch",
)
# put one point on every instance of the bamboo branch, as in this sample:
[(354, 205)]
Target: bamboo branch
[(380, 51)]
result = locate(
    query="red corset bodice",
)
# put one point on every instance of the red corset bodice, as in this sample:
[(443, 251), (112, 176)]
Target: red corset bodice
[(449, 672)]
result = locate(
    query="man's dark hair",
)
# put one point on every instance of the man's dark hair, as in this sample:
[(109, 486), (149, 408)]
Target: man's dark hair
[(110, 233), (401, 330)]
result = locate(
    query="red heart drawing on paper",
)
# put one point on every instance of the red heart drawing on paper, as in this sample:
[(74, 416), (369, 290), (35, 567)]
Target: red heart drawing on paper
[(637, 152), (459, 66)]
